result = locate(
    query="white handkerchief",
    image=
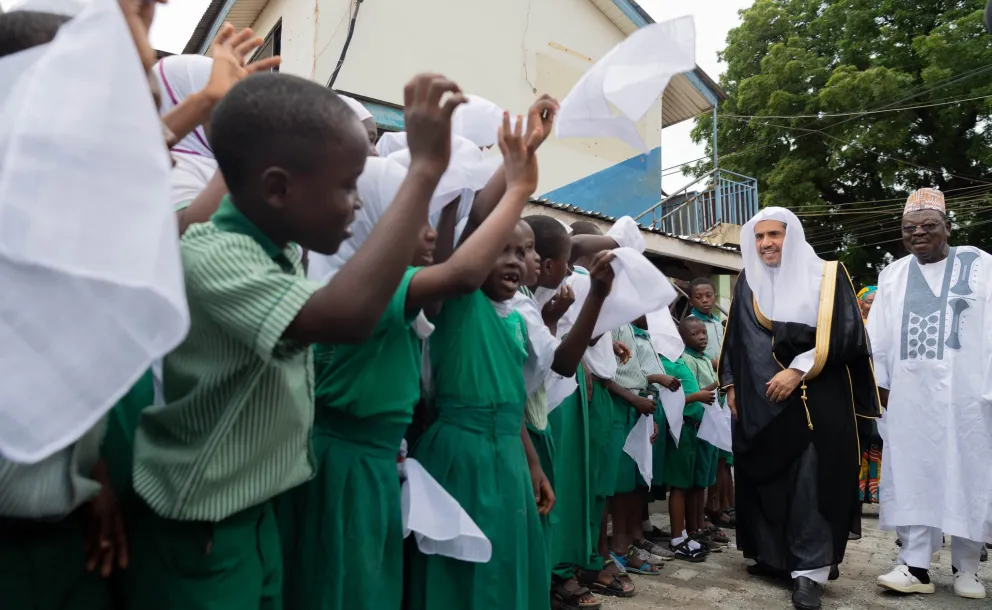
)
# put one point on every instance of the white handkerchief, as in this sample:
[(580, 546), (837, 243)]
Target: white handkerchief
[(638, 446), (559, 388), (715, 428), (665, 335), (627, 233), (422, 326), (631, 77), (674, 405), (93, 287), (440, 524)]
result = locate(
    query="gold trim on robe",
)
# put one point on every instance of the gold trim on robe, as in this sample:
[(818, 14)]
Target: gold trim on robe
[(824, 318)]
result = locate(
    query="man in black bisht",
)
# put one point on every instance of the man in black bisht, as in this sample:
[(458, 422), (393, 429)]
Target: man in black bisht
[(797, 367)]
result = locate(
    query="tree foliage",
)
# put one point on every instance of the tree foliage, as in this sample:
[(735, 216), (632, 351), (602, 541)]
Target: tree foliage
[(848, 176)]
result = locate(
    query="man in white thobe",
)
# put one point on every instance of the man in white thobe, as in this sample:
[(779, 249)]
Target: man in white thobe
[(930, 334)]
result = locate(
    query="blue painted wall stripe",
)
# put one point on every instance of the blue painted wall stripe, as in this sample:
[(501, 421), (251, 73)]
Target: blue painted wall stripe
[(631, 13), (386, 117), (625, 189)]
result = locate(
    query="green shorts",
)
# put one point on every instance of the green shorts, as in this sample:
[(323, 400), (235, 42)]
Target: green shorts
[(728, 457), (43, 566), (198, 565), (705, 468), (680, 461)]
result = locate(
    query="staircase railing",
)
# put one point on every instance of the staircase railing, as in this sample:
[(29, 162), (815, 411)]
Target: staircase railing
[(729, 197)]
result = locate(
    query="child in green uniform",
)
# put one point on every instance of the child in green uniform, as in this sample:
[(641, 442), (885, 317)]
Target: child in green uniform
[(342, 532), (234, 431), (680, 461), (694, 335)]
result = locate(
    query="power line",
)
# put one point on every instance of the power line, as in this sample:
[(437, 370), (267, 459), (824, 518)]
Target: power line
[(861, 113)]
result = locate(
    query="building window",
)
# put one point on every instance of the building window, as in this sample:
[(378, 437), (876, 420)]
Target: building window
[(272, 45)]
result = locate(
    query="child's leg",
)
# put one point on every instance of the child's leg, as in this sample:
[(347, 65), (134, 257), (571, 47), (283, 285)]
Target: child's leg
[(620, 510), (694, 508), (677, 511), (604, 548), (728, 489), (638, 508)]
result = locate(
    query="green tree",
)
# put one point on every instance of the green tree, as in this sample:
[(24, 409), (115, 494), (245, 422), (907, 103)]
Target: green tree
[(848, 176)]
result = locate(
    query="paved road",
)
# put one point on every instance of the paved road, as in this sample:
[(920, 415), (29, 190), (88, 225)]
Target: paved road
[(722, 583)]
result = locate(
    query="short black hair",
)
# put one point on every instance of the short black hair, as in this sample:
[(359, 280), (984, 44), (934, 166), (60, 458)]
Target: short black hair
[(21, 30), (584, 227), (686, 322), (273, 119), (550, 236), (701, 281)]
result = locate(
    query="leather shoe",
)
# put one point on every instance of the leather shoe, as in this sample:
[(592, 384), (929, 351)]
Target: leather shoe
[(834, 572), (805, 594)]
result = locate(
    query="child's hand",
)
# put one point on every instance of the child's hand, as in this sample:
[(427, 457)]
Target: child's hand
[(705, 396), (546, 107), (601, 273), (644, 406), (428, 122), (230, 52), (621, 351), (671, 383), (732, 401), (544, 495), (554, 309), (519, 160), (106, 544), (654, 435)]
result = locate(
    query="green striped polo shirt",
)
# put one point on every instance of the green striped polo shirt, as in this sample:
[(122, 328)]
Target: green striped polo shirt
[(235, 427), (629, 374)]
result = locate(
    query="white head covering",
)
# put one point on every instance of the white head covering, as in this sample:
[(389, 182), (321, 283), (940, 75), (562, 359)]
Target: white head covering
[(357, 107), (478, 120), (89, 251), (791, 291), (179, 76)]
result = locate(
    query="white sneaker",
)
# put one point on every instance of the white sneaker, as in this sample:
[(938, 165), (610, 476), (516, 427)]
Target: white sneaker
[(901, 580), (967, 585)]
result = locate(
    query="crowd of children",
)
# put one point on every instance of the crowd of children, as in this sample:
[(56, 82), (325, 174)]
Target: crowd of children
[(256, 466)]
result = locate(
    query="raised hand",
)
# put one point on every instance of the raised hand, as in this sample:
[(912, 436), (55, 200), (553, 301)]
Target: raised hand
[(519, 158), (231, 50), (544, 109), (428, 121), (554, 309), (601, 273)]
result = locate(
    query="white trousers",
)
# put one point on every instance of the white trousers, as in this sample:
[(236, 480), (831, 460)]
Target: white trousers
[(920, 542), (819, 575)]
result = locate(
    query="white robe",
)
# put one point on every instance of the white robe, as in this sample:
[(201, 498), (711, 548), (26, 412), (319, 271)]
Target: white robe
[(932, 346)]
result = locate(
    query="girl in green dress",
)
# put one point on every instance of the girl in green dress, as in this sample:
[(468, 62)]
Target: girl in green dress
[(342, 532)]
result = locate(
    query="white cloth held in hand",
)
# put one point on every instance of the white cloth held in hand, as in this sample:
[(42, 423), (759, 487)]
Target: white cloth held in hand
[(630, 77), (627, 233), (674, 405), (665, 335), (93, 287), (638, 446), (478, 120), (441, 526), (715, 428)]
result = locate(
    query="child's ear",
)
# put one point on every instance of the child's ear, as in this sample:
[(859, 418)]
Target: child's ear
[(275, 187)]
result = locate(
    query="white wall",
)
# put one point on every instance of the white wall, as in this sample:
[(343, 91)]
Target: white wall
[(508, 51)]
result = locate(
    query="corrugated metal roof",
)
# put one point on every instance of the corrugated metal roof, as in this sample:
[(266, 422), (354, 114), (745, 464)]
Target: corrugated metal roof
[(576, 210)]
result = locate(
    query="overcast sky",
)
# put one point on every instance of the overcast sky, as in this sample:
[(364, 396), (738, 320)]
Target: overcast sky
[(174, 22)]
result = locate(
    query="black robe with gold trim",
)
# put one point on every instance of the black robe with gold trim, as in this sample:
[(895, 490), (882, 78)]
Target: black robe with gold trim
[(797, 461)]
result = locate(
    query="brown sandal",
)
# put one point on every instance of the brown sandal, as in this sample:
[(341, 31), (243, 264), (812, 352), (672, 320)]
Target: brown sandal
[(570, 594), (615, 588)]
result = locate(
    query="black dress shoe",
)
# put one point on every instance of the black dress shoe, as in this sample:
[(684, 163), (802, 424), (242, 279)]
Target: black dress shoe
[(834, 573), (805, 594)]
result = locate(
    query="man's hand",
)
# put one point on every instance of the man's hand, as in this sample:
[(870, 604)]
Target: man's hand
[(546, 107), (732, 401), (883, 395), (428, 122), (554, 309), (231, 50), (783, 384), (601, 273), (643, 406), (654, 435), (519, 151), (621, 351), (544, 496), (106, 544)]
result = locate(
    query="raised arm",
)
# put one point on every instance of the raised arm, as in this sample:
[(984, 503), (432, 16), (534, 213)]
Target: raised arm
[(576, 342)]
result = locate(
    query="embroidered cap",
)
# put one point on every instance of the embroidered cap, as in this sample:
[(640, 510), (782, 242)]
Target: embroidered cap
[(925, 199)]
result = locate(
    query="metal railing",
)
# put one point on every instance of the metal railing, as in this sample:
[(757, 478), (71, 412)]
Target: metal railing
[(729, 197)]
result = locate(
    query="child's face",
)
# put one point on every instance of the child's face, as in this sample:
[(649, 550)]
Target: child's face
[(703, 298), (533, 259), (555, 270), (318, 206), (694, 335), (424, 255), (508, 271)]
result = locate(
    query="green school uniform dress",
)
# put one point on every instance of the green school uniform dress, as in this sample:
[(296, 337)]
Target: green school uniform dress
[(651, 365), (342, 532), (631, 377), (569, 424), (234, 432), (602, 464), (43, 531), (714, 344), (707, 455), (474, 451), (680, 461)]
